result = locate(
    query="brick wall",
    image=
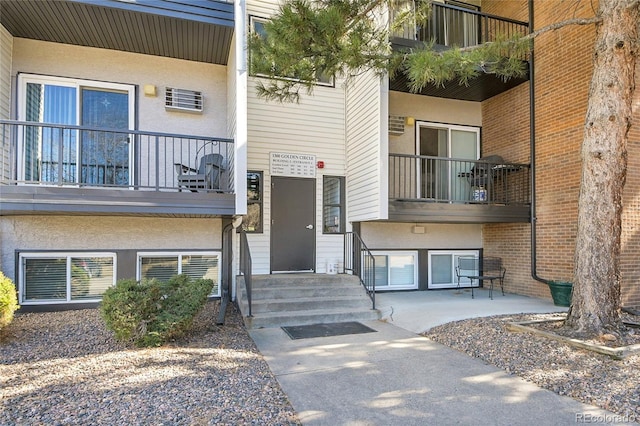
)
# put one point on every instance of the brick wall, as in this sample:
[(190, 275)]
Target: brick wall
[(562, 74)]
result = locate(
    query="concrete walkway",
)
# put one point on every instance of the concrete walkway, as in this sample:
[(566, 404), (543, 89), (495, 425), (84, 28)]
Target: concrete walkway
[(395, 377)]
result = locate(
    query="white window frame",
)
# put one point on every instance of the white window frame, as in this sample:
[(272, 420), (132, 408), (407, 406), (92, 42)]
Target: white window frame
[(78, 84), (59, 255), (466, 282), (449, 128), (389, 253), (180, 255)]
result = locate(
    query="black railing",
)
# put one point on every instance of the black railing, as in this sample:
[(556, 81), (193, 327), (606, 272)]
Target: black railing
[(65, 155), (360, 262), (450, 180), (245, 265), (457, 26)]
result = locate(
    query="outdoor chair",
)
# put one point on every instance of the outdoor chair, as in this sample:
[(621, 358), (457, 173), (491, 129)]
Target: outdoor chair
[(206, 177), (487, 268)]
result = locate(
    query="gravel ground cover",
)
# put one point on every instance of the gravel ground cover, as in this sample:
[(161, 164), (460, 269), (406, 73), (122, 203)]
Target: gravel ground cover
[(65, 368), (583, 375)]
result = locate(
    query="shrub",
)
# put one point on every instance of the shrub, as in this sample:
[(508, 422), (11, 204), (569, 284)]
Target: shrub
[(8, 301), (151, 312)]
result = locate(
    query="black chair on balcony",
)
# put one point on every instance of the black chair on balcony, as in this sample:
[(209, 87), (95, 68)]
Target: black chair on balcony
[(481, 177), (206, 177)]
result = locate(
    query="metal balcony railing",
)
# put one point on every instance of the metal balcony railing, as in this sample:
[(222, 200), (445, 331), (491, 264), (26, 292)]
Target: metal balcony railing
[(457, 26), (75, 156), (451, 180)]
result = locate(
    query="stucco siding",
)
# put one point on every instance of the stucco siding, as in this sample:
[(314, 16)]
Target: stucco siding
[(67, 233), (436, 236), (426, 108), (38, 57)]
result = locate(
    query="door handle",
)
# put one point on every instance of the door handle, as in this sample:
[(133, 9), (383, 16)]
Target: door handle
[(309, 226)]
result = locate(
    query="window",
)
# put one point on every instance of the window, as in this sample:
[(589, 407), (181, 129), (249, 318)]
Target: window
[(396, 270), (333, 205), (58, 155), (442, 268), (65, 277), (257, 27), (253, 221), (196, 265)]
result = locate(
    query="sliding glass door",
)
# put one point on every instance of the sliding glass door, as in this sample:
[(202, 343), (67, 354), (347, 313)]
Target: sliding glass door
[(54, 153), (444, 178)]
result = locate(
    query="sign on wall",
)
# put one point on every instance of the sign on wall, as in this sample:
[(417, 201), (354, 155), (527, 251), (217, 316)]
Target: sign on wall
[(292, 165)]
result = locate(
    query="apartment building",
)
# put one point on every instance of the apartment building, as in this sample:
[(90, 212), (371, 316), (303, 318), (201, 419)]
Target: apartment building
[(190, 147)]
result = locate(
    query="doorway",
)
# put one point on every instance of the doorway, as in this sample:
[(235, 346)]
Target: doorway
[(293, 234)]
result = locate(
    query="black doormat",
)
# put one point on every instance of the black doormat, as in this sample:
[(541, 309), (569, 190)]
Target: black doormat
[(326, 330)]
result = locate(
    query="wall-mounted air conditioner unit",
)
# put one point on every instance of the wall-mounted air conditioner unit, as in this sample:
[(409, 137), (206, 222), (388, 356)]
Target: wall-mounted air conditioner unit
[(183, 100)]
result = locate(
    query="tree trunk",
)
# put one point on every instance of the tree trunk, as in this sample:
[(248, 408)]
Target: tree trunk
[(595, 306)]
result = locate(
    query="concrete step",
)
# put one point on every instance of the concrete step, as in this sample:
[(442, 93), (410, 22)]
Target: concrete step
[(309, 303), (322, 316), (280, 292), (301, 299), (292, 280)]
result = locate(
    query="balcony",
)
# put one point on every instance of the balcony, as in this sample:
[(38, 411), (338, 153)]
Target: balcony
[(451, 26), (199, 30), (447, 190), (63, 169)]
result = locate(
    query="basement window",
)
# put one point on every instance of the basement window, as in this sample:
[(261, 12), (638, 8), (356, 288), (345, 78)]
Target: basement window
[(396, 270), (49, 278), (164, 265)]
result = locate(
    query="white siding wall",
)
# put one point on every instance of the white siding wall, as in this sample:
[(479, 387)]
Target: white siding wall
[(367, 149), (38, 57), (6, 47), (314, 126), (104, 233)]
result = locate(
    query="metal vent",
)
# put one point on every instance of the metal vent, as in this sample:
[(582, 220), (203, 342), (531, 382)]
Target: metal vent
[(183, 100), (396, 125)]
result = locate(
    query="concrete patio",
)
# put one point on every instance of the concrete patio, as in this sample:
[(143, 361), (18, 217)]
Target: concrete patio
[(418, 311)]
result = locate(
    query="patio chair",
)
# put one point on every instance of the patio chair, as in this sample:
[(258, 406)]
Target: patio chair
[(206, 177), (487, 268)]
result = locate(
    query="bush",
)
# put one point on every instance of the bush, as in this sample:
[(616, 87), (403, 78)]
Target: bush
[(151, 312), (8, 301)]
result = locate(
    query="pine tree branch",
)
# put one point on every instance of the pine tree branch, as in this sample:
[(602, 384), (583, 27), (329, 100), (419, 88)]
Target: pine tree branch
[(562, 24)]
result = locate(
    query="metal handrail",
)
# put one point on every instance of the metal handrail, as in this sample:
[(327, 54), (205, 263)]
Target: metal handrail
[(245, 265), (360, 262), (68, 155), (455, 180), (450, 26)]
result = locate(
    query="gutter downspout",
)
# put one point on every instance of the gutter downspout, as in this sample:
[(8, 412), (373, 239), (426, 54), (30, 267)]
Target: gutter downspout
[(532, 153)]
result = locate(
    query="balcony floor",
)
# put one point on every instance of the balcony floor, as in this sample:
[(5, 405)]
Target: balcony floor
[(25, 199), (426, 211)]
